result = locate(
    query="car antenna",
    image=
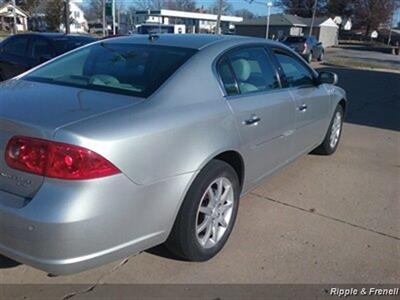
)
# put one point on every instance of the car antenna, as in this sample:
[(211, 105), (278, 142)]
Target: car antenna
[(153, 36)]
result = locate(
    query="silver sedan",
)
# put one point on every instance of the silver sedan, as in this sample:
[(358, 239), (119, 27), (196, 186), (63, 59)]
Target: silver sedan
[(132, 142)]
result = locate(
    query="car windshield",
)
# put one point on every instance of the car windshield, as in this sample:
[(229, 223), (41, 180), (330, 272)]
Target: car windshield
[(136, 70), (295, 39), (65, 44)]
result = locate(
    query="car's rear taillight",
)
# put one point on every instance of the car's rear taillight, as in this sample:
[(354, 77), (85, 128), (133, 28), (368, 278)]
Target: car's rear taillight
[(56, 160)]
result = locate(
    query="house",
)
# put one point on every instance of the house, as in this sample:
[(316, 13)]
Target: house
[(78, 23), (195, 22), (324, 29), (7, 18), (280, 26)]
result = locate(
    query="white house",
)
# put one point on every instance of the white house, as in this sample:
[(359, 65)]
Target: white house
[(194, 22), (7, 18), (78, 23)]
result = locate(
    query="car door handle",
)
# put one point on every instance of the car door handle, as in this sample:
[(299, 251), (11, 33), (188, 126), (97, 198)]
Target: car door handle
[(303, 107), (252, 121)]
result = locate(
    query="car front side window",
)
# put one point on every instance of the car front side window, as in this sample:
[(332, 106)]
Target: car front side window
[(295, 73)]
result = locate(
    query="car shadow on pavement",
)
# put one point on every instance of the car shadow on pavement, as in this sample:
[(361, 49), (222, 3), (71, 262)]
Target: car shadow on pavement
[(7, 263), (162, 251), (373, 96)]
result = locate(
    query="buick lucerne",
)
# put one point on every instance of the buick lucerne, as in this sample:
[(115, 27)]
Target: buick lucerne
[(131, 142)]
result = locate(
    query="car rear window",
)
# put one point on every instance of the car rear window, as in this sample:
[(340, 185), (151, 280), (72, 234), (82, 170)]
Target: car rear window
[(136, 70), (295, 39)]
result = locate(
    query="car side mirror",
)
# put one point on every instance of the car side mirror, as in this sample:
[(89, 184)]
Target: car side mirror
[(327, 77)]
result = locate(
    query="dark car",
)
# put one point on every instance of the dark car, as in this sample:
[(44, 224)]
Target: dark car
[(306, 46), (21, 52)]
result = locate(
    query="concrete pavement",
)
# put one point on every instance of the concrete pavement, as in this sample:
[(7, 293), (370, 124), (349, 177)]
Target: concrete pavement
[(321, 220)]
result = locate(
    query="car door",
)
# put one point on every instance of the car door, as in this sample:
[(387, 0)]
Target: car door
[(12, 56), (264, 112), (312, 100)]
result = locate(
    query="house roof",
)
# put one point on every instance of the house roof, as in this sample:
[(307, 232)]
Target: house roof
[(320, 21), (4, 10), (276, 20)]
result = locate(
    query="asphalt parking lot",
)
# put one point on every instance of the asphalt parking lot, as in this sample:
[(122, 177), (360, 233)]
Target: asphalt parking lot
[(320, 220)]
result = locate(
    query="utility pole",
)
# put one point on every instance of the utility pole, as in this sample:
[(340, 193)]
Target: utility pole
[(118, 18), (15, 29), (66, 10), (313, 17), (269, 5), (104, 18), (113, 17), (390, 29), (218, 29)]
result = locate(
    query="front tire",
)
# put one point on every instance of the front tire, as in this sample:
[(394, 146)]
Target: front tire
[(332, 137), (208, 213)]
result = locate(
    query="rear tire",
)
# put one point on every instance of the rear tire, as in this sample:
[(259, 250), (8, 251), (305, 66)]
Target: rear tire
[(332, 137), (203, 226)]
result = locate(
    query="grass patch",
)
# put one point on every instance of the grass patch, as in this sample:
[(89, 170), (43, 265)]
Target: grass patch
[(4, 34)]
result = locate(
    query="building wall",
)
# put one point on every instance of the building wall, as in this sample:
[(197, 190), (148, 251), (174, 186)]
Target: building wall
[(79, 23), (276, 32), (328, 36)]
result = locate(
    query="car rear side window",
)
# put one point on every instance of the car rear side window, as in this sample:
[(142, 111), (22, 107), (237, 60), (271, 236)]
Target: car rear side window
[(253, 70), (227, 77), (41, 49), (296, 74), (16, 46), (65, 44), (121, 68)]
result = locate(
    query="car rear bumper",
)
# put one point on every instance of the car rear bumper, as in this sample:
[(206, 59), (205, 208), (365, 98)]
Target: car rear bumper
[(69, 227)]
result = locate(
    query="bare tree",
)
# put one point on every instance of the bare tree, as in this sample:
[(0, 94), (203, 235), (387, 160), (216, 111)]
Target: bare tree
[(94, 11), (245, 14), (371, 14), (29, 6), (227, 7), (303, 8), (186, 5), (148, 4), (54, 12), (343, 8)]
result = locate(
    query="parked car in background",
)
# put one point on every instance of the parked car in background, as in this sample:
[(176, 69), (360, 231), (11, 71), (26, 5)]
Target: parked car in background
[(131, 142), (306, 46), (19, 53)]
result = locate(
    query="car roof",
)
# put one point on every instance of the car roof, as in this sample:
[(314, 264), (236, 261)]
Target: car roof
[(193, 41), (52, 35)]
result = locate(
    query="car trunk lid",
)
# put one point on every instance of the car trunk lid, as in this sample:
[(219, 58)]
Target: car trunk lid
[(38, 110)]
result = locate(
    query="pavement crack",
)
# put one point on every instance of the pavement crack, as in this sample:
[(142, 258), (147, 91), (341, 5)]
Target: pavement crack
[(314, 212), (98, 282)]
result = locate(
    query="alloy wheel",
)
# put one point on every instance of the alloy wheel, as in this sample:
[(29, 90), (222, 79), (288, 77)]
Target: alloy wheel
[(215, 212), (335, 130)]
